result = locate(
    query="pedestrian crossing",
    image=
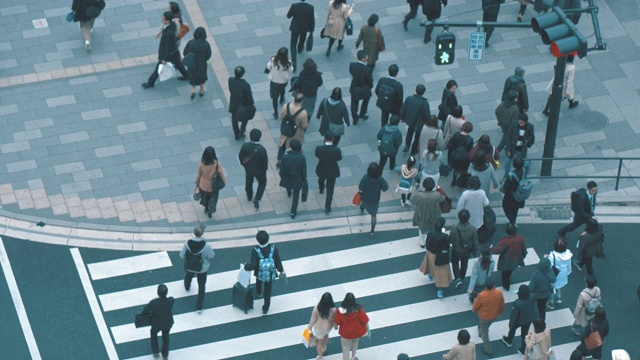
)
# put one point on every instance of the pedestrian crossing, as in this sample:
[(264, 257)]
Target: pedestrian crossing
[(405, 315)]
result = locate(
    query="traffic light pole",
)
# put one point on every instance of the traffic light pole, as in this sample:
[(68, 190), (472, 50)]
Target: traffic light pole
[(554, 114)]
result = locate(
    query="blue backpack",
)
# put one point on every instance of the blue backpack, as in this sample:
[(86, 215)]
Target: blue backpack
[(523, 192), (266, 266)]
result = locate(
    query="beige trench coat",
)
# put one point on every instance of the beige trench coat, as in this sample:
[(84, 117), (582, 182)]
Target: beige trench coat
[(336, 20), (302, 122), (442, 275), (569, 74), (579, 313)]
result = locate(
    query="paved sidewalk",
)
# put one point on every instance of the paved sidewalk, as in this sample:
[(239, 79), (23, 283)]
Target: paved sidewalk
[(84, 146)]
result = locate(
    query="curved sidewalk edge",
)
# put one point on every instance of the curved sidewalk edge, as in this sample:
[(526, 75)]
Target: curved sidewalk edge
[(343, 222)]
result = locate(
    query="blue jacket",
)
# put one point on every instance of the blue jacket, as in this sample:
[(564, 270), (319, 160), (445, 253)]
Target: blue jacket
[(542, 280)]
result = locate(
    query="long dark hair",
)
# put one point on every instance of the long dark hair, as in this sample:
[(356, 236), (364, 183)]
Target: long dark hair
[(432, 149), (479, 161), (484, 143), (349, 304), (209, 156), (282, 58), (485, 257), (309, 66), (338, 3), (325, 305)]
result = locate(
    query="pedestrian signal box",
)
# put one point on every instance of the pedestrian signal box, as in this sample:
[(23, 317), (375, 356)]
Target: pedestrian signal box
[(445, 48)]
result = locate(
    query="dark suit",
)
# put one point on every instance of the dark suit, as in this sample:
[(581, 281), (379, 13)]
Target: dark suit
[(239, 94), (396, 101), (303, 21), (256, 168), (432, 9), (490, 10), (168, 51), (414, 112), (161, 320), (360, 89), (293, 176), (584, 212), (328, 169)]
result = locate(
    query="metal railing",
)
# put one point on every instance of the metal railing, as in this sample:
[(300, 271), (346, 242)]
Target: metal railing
[(618, 176)]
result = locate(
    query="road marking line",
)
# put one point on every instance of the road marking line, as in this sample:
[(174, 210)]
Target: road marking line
[(562, 351), (129, 265), (93, 303), (17, 302)]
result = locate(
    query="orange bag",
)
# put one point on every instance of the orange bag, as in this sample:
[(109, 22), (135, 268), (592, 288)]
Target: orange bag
[(184, 29), (357, 198)]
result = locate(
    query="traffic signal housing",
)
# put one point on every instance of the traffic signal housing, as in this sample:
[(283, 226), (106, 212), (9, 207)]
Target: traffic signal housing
[(560, 32), (445, 48)]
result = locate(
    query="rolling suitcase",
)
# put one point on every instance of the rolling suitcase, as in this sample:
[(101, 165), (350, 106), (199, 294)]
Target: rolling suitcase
[(243, 297)]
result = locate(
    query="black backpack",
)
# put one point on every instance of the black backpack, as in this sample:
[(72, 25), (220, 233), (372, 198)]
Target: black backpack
[(460, 157), (193, 262), (288, 126), (465, 244), (385, 97), (575, 196), (386, 144)]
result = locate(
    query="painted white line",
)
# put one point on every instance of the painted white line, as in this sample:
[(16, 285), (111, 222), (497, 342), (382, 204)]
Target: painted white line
[(93, 303), (129, 265), (298, 300), (17, 302), (562, 351)]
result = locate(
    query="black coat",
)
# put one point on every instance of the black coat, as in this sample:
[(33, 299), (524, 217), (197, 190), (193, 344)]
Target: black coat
[(302, 18), (450, 102), (415, 110), (338, 114), (583, 207), (168, 44), (328, 157), (202, 52), (361, 81), (591, 244), (255, 259), (511, 138), (308, 83), (432, 8), (396, 101), (293, 171), (258, 159), (522, 313), (491, 6), (239, 94), (80, 8), (161, 314)]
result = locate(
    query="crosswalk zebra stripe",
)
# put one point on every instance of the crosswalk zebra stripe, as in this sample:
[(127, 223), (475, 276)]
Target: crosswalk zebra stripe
[(562, 351), (129, 265)]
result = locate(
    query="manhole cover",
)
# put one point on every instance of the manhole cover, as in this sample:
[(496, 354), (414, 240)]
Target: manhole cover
[(593, 120)]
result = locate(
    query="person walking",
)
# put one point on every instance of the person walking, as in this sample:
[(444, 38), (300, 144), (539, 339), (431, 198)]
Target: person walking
[(208, 168), (520, 137), (334, 115), (293, 174), (308, 82), (569, 90), (389, 141), (167, 50), (584, 209), (161, 314), (541, 285), (201, 51), (465, 349), (303, 21), (266, 265), (432, 160), (449, 100), (464, 242), (436, 261), (541, 335), (408, 174), (433, 11), (371, 185), (413, 11), (321, 322), (489, 306), (337, 17), (484, 171), (591, 244), (522, 315), (255, 161), (174, 8), (510, 185), (600, 324), (197, 255), (523, 8), (588, 294), (429, 131), (360, 88), (352, 320), (516, 82), (506, 113), (328, 169), (294, 123), (459, 160), (560, 259), (453, 124), (490, 10), (481, 270), (240, 95), (279, 70), (427, 211), (474, 200), (491, 154), (86, 12), (372, 41), (390, 95), (414, 112), (512, 250)]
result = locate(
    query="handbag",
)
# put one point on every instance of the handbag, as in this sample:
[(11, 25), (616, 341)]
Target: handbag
[(92, 12), (244, 277), (495, 162), (184, 29), (166, 71), (444, 170), (593, 340), (308, 339), (357, 198), (336, 129), (445, 207), (305, 191), (246, 112), (189, 60), (310, 42), (142, 320), (196, 194), (535, 353), (380, 44), (70, 16), (322, 36), (348, 26), (217, 184), (556, 271)]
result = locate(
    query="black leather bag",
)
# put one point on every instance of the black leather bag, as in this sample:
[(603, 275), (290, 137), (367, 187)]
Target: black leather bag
[(143, 320), (246, 112), (348, 26), (310, 42)]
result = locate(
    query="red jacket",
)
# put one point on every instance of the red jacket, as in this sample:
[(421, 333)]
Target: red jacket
[(352, 325)]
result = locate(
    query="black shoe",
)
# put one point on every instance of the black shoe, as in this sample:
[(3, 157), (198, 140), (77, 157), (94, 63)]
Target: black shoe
[(486, 45), (300, 50), (406, 149), (264, 312), (328, 53), (506, 341), (340, 47), (275, 115), (364, 117), (545, 112), (201, 94), (183, 78), (327, 211), (293, 216), (573, 104), (282, 100), (321, 190), (249, 197), (427, 40), (209, 215), (404, 25), (237, 137), (146, 85), (193, 95), (256, 204)]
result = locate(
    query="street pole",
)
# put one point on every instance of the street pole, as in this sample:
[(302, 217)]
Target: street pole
[(554, 114)]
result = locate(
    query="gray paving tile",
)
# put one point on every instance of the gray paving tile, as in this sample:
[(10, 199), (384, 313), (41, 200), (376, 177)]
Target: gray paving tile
[(178, 130), (83, 80), (68, 168), (13, 10), (96, 114), (15, 147), (5, 46), (75, 187), (146, 165), (87, 175), (74, 137), (153, 184), (110, 151), (61, 100), (131, 128), (118, 91), (251, 51), (27, 135), (8, 109), (21, 166), (8, 63)]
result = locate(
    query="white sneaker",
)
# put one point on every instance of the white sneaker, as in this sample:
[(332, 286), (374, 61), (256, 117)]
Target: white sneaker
[(87, 46), (408, 203), (401, 202)]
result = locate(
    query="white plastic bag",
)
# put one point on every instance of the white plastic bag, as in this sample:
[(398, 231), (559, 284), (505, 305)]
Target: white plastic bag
[(166, 71), (244, 277)]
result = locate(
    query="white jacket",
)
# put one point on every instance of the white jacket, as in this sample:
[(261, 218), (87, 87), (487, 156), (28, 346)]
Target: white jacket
[(562, 261), (569, 74), (277, 74)]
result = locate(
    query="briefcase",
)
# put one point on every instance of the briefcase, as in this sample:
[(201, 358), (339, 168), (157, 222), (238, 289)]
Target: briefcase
[(143, 320), (243, 297)]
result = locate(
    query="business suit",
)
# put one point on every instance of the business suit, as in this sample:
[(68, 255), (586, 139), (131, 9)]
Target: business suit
[(303, 21), (328, 170), (414, 112), (293, 176), (490, 10), (396, 100), (360, 89), (167, 50), (161, 320), (256, 167), (583, 213), (239, 94)]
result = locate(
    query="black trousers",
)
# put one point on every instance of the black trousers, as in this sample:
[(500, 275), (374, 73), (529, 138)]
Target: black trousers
[(413, 10), (489, 18), (503, 140), (524, 330), (384, 118), (511, 209), (266, 294), (298, 38), (202, 281), (177, 63), (506, 279), (588, 263), (330, 186), (261, 177), (383, 161), (413, 134), (542, 307), (459, 263), (354, 108), (569, 228), (239, 127), (295, 199), (165, 341)]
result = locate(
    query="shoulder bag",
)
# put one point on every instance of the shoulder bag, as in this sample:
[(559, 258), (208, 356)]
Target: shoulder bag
[(143, 319), (357, 198), (535, 353), (494, 161), (334, 128), (379, 43), (189, 60), (348, 27), (445, 207), (246, 159), (553, 267), (593, 340), (217, 184)]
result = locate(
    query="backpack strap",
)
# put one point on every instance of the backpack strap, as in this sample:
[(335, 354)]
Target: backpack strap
[(288, 112), (273, 248), (295, 116), (257, 248)]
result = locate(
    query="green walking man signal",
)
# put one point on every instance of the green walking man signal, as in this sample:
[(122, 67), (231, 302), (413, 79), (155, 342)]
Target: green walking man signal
[(445, 48)]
